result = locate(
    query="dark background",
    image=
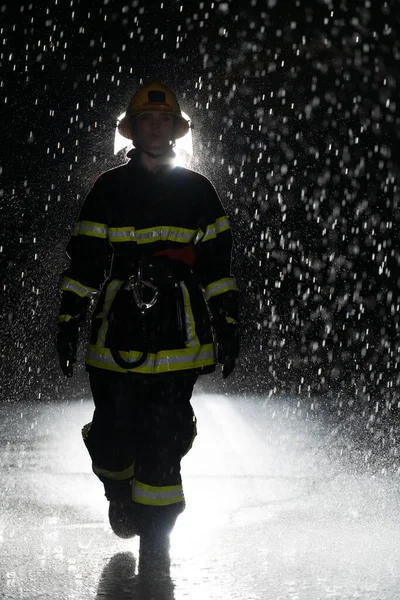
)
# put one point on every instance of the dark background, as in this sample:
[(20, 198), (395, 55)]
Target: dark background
[(296, 122)]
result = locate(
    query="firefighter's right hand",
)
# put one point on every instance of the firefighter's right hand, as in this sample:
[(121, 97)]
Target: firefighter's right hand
[(67, 344), (67, 365)]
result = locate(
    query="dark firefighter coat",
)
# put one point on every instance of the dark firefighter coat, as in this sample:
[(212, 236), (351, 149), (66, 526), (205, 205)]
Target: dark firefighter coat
[(169, 234)]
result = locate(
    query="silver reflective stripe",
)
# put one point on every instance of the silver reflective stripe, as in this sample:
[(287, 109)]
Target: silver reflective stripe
[(111, 292), (220, 225), (199, 236), (155, 234), (70, 285), (121, 234), (114, 475), (157, 496), (101, 357), (190, 325), (219, 287), (90, 228), (170, 234)]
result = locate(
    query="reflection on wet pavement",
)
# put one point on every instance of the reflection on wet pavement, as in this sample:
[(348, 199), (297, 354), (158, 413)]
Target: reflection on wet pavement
[(279, 506)]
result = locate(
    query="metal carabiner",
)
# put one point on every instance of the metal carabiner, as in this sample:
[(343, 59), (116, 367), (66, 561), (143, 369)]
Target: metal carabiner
[(138, 294), (137, 285)]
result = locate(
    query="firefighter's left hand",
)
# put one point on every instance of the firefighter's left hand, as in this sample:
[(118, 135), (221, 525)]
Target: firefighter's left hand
[(227, 347), (228, 366)]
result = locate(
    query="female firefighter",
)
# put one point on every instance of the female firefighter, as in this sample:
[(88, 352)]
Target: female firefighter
[(152, 244)]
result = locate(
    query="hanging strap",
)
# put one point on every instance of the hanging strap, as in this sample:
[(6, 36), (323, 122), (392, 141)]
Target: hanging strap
[(137, 285), (124, 364)]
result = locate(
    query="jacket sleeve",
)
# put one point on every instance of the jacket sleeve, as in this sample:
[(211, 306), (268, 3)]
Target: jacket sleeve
[(213, 249), (88, 253)]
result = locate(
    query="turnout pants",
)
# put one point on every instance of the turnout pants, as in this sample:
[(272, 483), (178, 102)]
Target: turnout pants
[(142, 426)]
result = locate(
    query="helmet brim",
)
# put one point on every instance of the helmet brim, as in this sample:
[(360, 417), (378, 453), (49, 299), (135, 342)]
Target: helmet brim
[(125, 126)]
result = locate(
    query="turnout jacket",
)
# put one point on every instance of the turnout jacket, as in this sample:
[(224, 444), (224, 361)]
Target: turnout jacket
[(170, 232)]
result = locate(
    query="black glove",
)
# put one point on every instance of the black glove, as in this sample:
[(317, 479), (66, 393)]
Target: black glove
[(67, 344), (228, 346)]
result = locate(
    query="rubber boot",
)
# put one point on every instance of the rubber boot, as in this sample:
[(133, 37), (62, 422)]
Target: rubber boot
[(156, 525), (122, 517)]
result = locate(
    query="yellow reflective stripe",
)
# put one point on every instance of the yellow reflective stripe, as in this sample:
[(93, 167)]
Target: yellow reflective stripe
[(121, 234), (90, 228), (165, 233), (64, 318), (192, 339), (115, 475), (71, 285), (219, 287), (230, 320), (111, 292), (152, 234), (220, 225), (157, 496), (162, 362), (199, 236)]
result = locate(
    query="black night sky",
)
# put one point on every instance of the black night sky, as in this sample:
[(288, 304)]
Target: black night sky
[(296, 122)]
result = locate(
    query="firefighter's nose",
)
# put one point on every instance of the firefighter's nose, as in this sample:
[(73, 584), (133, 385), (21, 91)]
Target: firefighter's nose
[(155, 124)]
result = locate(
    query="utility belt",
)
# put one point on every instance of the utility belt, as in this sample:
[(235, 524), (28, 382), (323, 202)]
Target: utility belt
[(159, 270), (141, 304)]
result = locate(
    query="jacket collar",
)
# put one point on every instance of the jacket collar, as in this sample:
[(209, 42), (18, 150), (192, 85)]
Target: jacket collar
[(134, 161)]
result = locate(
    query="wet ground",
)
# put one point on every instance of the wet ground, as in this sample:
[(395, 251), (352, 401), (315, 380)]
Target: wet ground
[(279, 506)]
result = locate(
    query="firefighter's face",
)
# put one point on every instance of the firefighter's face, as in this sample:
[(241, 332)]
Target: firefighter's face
[(153, 131)]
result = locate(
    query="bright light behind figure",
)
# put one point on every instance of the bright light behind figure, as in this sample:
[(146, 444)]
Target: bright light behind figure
[(183, 147), (119, 141)]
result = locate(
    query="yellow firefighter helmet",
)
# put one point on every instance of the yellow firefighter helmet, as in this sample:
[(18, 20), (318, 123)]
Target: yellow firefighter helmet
[(153, 96)]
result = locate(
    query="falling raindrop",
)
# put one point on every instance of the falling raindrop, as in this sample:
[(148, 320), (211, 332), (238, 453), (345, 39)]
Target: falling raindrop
[(295, 120)]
